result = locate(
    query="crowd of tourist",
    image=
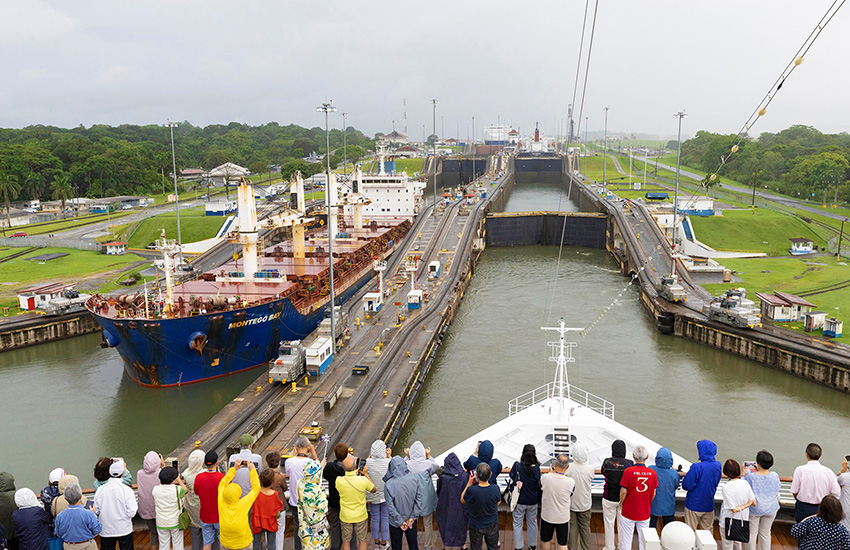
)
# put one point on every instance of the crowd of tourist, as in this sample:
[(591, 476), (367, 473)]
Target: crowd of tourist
[(380, 500)]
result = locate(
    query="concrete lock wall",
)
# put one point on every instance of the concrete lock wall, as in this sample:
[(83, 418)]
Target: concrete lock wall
[(453, 169), (526, 228), (68, 326)]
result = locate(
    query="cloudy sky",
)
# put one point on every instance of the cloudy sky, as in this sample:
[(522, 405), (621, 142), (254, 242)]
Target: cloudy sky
[(144, 61)]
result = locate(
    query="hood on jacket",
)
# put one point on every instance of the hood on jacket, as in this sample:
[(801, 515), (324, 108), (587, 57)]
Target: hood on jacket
[(378, 450), (579, 453), (195, 464), (707, 450), (396, 468), (55, 475), (485, 451), (151, 463), (25, 498), (452, 465), (618, 448), (66, 480), (7, 482), (664, 458), (417, 451), (232, 494)]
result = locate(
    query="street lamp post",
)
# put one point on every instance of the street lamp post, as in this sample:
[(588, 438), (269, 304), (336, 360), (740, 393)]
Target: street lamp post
[(328, 108), (344, 148), (585, 144), (680, 115), (605, 148), (473, 148), (171, 126), (434, 163)]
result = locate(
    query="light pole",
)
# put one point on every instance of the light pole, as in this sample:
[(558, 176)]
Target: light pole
[(605, 148), (344, 148), (171, 126), (328, 108), (473, 148), (680, 115), (585, 144), (434, 103)]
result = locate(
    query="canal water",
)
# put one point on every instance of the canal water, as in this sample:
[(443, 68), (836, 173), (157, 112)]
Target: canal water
[(671, 390), (68, 403)]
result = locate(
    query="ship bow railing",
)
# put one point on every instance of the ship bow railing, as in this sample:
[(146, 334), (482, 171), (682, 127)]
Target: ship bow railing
[(555, 390)]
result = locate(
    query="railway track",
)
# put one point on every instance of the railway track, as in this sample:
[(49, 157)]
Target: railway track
[(18, 254)]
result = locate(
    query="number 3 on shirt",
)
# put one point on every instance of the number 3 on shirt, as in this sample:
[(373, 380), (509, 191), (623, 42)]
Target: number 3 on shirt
[(642, 484)]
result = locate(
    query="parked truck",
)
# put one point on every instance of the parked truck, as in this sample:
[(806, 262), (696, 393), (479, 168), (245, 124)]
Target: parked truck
[(290, 364), (340, 322)]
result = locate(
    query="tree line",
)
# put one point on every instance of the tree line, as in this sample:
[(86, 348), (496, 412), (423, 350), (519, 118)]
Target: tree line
[(798, 161), (44, 162)]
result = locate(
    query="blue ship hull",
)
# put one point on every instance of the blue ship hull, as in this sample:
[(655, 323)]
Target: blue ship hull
[(172, 352)]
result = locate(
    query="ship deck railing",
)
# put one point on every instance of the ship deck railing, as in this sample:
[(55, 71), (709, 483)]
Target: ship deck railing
[(554, 389)]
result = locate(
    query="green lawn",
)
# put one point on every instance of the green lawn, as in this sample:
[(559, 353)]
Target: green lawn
[(195, 225), (765, 231), (794, 275), (67, 268), (411, 166), (594, 168)]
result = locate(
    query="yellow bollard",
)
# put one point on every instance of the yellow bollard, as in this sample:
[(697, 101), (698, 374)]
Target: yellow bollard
[(408, 354), (367, 316), (197, 443), (294, 387), (306, 380), (385, 393), (259, 388)]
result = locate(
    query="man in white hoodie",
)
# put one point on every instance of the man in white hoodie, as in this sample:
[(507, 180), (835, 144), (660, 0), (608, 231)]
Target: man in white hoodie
[(115, 504), (418, 459), (582, 473)]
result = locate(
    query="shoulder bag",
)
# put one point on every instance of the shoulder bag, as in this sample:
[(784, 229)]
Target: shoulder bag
[(183, 520)]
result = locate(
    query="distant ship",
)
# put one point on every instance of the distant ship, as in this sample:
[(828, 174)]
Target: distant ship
[(233, 318), (555, 417)]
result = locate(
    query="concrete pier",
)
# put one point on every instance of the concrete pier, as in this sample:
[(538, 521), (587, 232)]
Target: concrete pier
[(21, 332)]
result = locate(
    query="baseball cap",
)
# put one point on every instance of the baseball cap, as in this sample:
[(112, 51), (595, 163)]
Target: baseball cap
[(210, 458)]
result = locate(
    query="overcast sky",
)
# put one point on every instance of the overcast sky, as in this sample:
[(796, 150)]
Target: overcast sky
[(144, 61)]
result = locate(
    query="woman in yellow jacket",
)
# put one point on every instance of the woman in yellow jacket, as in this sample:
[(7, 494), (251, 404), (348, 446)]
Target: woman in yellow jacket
[(233, 511)]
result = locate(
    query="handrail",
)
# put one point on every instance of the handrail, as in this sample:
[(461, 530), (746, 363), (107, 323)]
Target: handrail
[(573, 393)]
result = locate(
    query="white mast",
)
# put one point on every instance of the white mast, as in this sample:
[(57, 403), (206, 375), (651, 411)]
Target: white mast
[(563, 349)]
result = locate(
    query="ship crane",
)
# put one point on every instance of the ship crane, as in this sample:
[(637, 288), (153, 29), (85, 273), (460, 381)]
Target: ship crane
[(356, 201), (248, 232), (170, 258)]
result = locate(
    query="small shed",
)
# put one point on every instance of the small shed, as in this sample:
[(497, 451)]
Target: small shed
[(114, 248), (414, 299), (784, 307), (833, 327), (372, 302), (31, 298), (813, 320), (801, 246)]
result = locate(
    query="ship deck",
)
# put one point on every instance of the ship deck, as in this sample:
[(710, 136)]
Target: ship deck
[(782, 539)]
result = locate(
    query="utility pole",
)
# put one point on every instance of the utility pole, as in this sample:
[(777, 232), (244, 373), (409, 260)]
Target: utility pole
[(755, 181), (840, 236), (434, 163), (680, 115), (328, 108), (585, 145), (171, 126), (605, 149), (473, 148), (344, 148)]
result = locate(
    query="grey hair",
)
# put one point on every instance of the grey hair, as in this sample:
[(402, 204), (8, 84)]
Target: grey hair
[(483, 471), (641, 454), (73, 493), (302, 442), (563, 462)]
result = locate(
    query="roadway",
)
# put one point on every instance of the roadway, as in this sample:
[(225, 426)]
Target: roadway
[(748, 191)]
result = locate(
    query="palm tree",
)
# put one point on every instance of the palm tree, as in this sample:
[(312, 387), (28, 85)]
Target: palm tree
[(9, 188), (62, 189), (35, 183)]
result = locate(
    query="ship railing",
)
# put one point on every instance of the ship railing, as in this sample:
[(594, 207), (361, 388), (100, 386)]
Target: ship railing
[(554, 389)]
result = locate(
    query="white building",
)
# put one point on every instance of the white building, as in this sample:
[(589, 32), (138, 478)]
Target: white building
[(227, 172), (31, 298), (801, 246)]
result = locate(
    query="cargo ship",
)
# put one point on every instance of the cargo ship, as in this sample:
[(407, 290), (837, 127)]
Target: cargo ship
[(234, 317)]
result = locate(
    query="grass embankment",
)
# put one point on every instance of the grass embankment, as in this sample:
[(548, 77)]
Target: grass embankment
[(195, 225), (764, 231), (796, 276), (411, 166), (78, 265)]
